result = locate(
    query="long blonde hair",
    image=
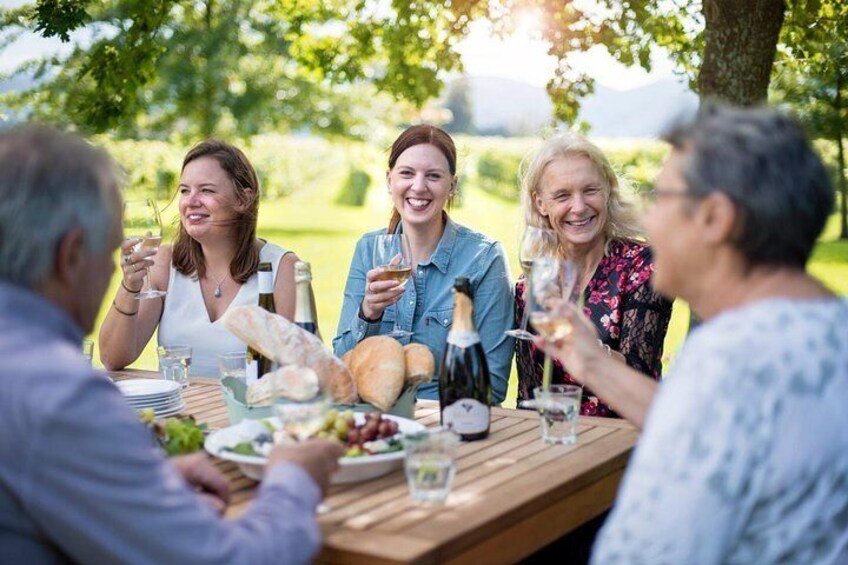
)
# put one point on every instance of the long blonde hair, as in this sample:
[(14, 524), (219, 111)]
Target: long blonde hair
[(622, 215)]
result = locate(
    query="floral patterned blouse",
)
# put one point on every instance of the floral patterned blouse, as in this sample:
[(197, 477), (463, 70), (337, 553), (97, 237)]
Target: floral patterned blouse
[(629, 316)]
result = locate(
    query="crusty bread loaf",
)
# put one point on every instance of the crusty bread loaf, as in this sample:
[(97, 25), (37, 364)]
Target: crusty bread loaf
[(346, 358), (420, 364), (379, 369), (292, 381), (287, 344)]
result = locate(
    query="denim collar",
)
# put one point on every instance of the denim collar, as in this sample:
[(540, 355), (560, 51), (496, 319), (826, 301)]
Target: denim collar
[(444, 250)]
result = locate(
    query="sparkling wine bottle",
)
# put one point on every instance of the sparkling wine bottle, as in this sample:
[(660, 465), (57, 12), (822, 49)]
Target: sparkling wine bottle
[(465, 396), (304, 306), (258, 364)]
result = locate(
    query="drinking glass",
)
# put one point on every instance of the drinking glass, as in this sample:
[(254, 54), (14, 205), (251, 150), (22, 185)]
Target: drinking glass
[(143, 225), (559, 409), (553, 285), (233, 364), (301, 419), (392, 253), (88, 349), (429, 464), (535, 244), (174, 363)]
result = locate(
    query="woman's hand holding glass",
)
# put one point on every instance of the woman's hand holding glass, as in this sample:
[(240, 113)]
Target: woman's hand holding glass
[(143, 234), (380, 293), (134, 265), (386, 283)]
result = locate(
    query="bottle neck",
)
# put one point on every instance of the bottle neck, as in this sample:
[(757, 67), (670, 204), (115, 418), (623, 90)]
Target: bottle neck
[(303, 303), (463, 332), (266, 282)]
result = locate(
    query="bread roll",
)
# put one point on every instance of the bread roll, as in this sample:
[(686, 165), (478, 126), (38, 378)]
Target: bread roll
[(420, 364), (379, 369), (287, 344), (292, 381), (346, 358)]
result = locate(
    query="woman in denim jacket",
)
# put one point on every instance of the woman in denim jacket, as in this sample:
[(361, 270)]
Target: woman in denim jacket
[(421, 180)]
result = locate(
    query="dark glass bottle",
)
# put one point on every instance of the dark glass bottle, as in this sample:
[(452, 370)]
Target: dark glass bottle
[(465, 389), (304, 306), (258, 364)]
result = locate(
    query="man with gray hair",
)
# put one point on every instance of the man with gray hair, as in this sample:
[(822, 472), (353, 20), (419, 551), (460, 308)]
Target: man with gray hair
[(79, 477), (744, 453)]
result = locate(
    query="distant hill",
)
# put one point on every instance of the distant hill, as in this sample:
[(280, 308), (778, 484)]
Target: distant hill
[(512, 107)]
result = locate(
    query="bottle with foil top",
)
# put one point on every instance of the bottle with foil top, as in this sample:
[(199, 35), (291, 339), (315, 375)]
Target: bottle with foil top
[(257, 364), (465, 390), (304, 306)]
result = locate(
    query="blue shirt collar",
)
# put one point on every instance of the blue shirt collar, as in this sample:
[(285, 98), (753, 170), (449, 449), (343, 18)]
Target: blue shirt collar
[(442, 255), (31, 308)]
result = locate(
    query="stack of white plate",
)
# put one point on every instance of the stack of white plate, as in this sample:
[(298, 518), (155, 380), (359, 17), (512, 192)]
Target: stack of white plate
[(162, 396)]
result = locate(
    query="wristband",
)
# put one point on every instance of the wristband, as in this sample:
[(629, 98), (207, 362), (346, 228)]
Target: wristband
[(364, 318), (128, 314), (128, 290)]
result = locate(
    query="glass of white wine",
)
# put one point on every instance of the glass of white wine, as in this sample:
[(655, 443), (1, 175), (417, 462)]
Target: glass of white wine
[(300, 419), (143, 225), (392, 253), (553, 282), (536, 243), (553, 285)]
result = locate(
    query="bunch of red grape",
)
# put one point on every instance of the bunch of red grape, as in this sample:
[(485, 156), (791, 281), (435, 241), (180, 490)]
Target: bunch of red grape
[(343, 427), (375, 427)]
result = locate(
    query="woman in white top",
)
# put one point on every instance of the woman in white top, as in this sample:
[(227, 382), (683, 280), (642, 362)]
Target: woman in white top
[(211, 266)]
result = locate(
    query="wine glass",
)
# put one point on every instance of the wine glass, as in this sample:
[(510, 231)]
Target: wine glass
[(392, 253), (143, 225), (553, 286), (301, 419), (535, 244)]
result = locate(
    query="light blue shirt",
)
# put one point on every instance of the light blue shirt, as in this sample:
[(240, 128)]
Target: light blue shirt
[(426, 307), (744, 455), (80, 478)]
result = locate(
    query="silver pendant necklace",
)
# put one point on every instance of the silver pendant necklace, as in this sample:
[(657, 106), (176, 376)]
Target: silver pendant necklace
[(217, 293)]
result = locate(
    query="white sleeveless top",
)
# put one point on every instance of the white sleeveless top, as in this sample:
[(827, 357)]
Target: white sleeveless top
[(185, 320)]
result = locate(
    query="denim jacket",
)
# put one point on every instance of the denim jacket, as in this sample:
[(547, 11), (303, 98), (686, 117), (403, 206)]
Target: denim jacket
[(426, 307)]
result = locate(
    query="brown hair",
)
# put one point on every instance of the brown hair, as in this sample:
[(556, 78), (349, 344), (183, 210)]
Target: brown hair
[(187, 254), (419, 135)]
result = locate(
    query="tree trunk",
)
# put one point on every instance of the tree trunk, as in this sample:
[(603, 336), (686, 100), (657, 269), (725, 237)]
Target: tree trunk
[(740, 45), (739, 49), (840, 158)]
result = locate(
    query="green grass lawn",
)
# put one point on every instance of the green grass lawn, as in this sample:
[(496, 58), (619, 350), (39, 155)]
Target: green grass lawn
[(324, 234)]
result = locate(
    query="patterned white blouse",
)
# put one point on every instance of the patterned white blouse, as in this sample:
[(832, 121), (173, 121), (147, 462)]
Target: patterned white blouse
[(744, 456)]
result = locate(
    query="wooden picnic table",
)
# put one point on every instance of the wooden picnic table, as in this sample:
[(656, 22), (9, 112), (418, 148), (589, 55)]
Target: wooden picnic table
[(512, 494)]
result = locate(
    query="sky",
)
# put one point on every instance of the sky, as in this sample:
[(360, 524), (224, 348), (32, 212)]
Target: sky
[(518, 57), (522, 57)]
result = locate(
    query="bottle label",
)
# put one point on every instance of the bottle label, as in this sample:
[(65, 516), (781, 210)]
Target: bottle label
[(252, 372), (266, 282), (463, 339), (466, 416)]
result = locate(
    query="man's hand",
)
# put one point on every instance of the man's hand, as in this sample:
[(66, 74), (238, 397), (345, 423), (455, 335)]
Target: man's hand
[(205, 478), (318, 457)]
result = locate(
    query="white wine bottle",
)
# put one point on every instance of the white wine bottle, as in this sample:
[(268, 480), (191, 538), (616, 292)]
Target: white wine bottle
[(257, 364), (304, 306), (465, 389)]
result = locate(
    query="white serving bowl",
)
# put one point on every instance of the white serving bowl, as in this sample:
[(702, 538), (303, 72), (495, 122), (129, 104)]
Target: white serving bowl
[(351, 469)]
